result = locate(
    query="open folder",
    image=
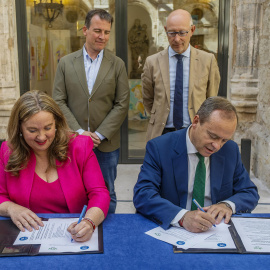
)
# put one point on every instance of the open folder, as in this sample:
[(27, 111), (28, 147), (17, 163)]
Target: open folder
[(9, 239), (250, 235)]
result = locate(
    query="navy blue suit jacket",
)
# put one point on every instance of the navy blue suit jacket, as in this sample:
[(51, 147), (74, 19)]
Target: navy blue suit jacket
[(162, 186)]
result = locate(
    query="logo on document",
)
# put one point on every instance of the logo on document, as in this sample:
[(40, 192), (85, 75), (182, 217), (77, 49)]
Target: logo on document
[(221, 244), (158, 234), (52, 248), (180, 243), (23, 238), (257, 247), (84, 247)]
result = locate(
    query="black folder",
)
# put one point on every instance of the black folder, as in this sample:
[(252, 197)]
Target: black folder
[(9, 233), (240, 248)]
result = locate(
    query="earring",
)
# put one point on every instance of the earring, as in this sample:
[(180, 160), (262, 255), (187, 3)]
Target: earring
[(55, 129), (20, 134)]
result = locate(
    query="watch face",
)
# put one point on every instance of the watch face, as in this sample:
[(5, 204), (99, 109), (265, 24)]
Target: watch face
[(227, 204)]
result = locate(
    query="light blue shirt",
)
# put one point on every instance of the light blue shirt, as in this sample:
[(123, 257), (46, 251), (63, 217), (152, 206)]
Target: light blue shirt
[(172, 65), (91, 70)]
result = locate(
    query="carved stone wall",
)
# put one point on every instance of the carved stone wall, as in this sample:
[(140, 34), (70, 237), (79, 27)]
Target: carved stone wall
[(9, 76), (249, 83)]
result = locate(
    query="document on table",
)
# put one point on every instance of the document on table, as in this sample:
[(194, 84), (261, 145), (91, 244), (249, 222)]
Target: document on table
[(254, 233), (222, 239), (215, 238), (55, 238)]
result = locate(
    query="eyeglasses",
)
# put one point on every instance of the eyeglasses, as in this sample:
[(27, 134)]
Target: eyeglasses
[(180, 33)]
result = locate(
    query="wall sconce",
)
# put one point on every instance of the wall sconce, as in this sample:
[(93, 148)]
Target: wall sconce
[(49, 11)]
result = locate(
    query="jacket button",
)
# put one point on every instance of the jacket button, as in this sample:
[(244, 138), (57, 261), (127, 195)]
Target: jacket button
[(163, 124), (89, 99)]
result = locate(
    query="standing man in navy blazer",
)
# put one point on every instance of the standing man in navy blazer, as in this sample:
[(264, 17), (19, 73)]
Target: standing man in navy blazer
[(163, 192), (200, 77), (91, 88)]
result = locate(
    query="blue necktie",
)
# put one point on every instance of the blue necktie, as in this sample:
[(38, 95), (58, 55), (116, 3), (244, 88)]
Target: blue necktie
[(178, 94)]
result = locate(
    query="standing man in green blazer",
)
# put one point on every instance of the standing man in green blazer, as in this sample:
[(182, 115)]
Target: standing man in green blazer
[(91, 88)]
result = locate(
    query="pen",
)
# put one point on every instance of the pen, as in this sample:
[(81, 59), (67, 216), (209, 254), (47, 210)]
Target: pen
[(197, 204), (80, 218), (82, 214)]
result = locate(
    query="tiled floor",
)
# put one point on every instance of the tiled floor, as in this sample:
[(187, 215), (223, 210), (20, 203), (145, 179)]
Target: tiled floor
[(127, 177)]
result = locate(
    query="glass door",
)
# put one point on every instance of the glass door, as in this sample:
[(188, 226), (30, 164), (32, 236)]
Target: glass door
[(146, 36), (138, 31), (54, 29)]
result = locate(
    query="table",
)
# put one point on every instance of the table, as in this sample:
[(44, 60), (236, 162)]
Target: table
[(126, 246)]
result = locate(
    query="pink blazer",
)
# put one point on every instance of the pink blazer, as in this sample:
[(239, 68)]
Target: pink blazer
[(80, 178)]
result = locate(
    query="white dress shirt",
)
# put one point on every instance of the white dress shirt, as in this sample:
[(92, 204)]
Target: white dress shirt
[(193, 161)]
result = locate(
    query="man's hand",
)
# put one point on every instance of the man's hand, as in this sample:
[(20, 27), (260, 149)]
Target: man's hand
[(219, 211), (94, 137), (198, 221)]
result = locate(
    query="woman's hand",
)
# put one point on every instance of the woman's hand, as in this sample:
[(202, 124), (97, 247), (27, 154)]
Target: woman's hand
[(24, 218), (81, 232)]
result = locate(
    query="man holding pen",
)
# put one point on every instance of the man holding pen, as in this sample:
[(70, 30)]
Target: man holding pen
[(199, 162)]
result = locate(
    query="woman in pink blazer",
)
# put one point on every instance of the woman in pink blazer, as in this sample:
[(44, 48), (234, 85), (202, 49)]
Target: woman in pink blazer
[(45, 168)]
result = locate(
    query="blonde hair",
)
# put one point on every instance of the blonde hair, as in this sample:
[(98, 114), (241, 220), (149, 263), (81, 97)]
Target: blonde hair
[(26, 106)]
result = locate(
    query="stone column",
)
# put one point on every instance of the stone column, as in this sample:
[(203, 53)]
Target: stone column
[(249, 83), (247, 23), (9, 74)]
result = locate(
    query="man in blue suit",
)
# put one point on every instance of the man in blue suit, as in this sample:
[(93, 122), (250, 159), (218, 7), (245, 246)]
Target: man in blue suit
[(164, 190)]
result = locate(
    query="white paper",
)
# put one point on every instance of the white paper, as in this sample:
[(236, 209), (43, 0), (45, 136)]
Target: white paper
[(179, 236), (254, 233), (54, 237), (217, 237), (221, 239)]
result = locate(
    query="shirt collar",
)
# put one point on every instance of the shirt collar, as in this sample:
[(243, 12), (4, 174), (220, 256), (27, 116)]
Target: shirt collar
[(190, 147), (87, 57), (186, 53)]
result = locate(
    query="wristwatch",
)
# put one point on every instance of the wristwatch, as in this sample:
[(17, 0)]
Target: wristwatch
[(227, 204)]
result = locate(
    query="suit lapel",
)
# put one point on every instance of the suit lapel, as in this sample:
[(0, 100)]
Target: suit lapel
[(103, 70), (27, 178), (80, 71), (165, 71), (180, 168), (216, 175), (192, 71)]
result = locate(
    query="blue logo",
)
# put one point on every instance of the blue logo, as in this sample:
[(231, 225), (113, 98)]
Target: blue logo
[(221, 244), (180, 243), (23, 238), (84, 247)]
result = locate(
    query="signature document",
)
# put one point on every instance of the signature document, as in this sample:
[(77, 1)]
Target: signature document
[(55, 238), (254, 233)]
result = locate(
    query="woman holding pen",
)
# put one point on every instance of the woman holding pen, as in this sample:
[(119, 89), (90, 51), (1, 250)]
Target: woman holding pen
[(46, 168)]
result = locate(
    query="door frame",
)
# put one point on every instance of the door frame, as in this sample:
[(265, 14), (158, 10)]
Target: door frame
[(121, 39)]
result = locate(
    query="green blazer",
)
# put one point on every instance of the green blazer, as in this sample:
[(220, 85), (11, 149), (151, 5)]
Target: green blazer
[(105, 109)]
